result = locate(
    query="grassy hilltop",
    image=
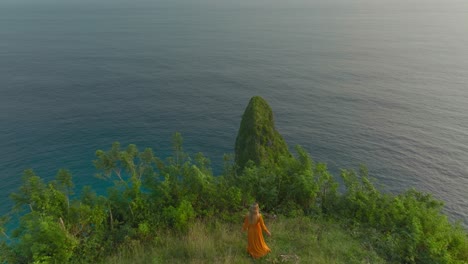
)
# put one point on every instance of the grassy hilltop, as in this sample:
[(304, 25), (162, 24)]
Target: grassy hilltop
[(176, 211), (295, 240)]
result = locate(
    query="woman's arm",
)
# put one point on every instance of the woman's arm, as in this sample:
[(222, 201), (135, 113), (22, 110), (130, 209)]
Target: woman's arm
[(246, 224), (262, 224)]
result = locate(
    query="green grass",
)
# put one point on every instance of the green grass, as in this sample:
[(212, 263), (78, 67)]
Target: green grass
[(293, 240)]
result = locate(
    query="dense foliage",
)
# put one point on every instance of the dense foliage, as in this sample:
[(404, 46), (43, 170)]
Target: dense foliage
[(149, 194)]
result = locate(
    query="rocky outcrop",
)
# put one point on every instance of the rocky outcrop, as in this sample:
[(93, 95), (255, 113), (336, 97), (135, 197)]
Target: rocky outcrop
[(257, 139)]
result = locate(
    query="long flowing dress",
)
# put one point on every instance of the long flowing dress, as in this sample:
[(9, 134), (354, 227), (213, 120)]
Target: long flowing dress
[(256, 245)]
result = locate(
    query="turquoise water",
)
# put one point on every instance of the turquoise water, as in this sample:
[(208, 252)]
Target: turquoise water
[(384, 83)]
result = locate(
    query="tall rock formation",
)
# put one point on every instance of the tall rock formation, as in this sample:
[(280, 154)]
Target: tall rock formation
[(257, 139)]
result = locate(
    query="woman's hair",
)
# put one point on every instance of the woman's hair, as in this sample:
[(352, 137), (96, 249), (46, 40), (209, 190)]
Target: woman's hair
[(253, 216)]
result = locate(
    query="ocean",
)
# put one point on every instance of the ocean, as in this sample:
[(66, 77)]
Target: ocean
[(382, 83)]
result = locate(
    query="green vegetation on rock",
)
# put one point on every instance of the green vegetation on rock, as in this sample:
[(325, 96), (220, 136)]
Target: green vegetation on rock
[(257, 139)]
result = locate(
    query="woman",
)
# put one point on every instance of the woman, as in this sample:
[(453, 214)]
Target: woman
[(254, 225)]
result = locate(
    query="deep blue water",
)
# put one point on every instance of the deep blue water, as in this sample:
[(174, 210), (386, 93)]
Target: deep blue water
[(383, 83)]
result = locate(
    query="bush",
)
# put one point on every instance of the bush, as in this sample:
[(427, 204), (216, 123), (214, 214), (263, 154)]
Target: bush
[(150, 194)]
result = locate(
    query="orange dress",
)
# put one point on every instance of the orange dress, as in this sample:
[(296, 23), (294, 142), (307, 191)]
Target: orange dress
[(256, 245)]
